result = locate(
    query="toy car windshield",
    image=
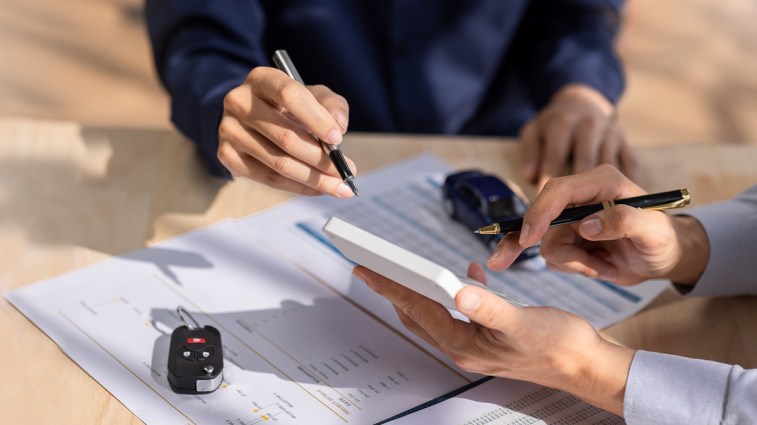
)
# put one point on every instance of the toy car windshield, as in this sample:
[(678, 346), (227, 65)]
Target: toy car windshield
[(475, 199)]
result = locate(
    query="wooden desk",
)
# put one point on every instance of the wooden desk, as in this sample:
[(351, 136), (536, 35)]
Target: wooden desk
[(72, 196)]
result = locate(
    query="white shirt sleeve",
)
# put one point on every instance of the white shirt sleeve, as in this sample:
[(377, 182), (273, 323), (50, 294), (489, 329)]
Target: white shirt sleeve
[(666, 389), (731, 227)]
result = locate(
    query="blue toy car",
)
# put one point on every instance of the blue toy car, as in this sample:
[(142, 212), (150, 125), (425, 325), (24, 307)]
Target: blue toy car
[(476, 199)]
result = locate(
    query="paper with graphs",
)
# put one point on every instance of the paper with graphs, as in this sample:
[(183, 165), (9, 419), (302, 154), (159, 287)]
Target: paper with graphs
[(303, 341)]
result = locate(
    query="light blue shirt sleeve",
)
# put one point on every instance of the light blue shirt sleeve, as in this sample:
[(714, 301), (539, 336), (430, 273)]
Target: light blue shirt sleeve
[(731, 228), (666, 389)]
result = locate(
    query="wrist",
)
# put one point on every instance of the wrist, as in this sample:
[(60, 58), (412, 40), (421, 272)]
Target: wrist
[(585, 94), (602, 380), (693, 250)]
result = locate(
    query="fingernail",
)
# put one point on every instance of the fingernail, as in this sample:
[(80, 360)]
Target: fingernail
[(495, 256), (343, 191), (469, 301), (524, 234), (334, 137), (341, 119), (591, 227)]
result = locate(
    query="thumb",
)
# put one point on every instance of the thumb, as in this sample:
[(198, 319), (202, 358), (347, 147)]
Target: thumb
[(622, 222), (487, 309)]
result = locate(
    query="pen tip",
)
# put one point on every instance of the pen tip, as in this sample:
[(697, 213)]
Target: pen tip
[(477, 231), (352, 186)]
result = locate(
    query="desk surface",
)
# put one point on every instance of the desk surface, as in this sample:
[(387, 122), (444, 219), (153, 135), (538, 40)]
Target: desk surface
[(72, 196)]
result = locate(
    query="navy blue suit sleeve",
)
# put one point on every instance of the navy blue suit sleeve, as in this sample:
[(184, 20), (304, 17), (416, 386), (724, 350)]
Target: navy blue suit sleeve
[(571, 41), (202, 50)]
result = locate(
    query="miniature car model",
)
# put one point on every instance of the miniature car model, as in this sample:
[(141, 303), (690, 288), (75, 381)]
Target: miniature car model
[(476, 199)]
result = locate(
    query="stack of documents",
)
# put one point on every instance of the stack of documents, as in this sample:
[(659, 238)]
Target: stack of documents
[(305, 342)]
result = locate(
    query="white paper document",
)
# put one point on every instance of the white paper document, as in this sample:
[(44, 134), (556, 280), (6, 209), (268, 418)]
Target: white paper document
[(304, 342), (505, 402)]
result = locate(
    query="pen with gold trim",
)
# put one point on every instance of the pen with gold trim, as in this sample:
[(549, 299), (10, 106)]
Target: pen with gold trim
[(656, 201), (284, 63)]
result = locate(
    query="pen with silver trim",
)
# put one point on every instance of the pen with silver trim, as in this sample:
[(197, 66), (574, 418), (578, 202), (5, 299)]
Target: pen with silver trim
[(656, 201), (284, 63)]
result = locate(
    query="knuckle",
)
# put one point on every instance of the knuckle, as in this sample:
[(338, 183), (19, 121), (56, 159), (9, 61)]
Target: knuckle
[(410, 312), (408, 322), (225, 153), (556, 185), (343, 101), (232, 102), (256, 75), (224, 150), (319, 88), (281, 164), (286, 139), (607, 169), (562, 121), (536, 210), (289, 92), (592, 122), (226, 131)]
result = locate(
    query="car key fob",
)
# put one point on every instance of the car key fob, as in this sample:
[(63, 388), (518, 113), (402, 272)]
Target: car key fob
[(195, 357)]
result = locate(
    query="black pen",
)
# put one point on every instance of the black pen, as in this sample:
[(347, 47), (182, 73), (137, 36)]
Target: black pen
[(655, 201), (284, 63)]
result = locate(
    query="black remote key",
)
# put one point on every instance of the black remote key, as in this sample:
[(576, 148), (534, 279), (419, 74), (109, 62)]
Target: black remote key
[(195, 357)]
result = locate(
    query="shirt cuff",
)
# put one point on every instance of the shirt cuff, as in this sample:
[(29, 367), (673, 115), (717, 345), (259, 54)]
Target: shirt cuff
[(667, 389), (731, 227)]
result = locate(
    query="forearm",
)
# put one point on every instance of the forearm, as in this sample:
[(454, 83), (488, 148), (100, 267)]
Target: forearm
[(579, 50), (203, 49), (601, 378)]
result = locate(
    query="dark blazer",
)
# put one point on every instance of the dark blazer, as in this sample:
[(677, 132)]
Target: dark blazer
[(405, 66)]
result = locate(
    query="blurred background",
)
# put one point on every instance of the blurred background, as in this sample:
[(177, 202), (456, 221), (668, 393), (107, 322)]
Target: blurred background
[(691, 67)]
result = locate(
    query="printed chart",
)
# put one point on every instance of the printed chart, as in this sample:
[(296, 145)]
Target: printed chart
[(303, 341)]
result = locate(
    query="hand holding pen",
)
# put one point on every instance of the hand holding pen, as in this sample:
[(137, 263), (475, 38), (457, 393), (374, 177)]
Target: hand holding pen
[(284, 63), (271, 130), (622, 244), (655, 201)]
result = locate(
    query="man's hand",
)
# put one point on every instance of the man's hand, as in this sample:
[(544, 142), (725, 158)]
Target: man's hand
[(574, 133), (266, 133), (543, 345), (621, 244)]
